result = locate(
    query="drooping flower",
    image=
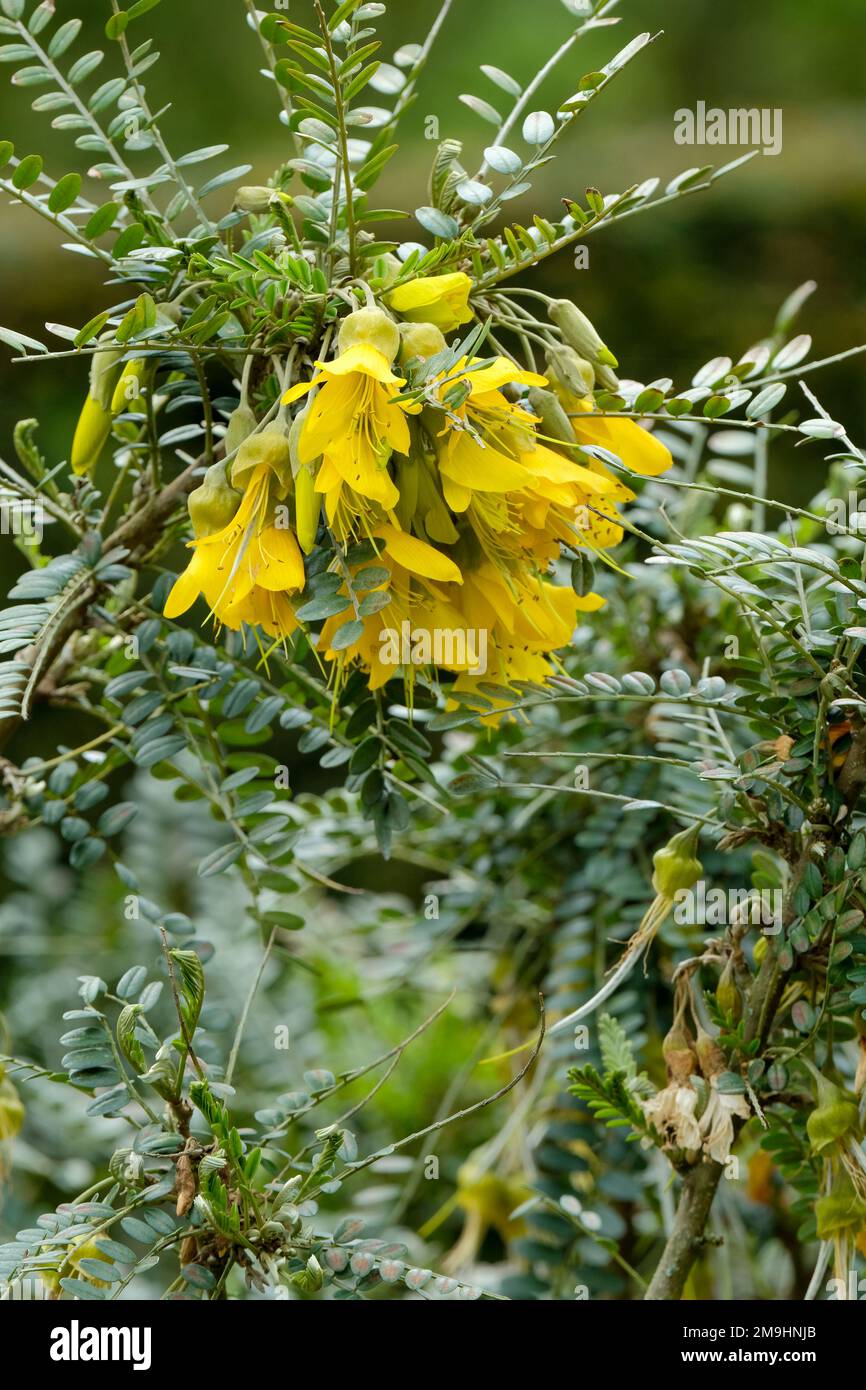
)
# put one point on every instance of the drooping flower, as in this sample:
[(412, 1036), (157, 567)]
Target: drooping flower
[(246, 559), (442, 300), (354, 425), (415, 571)]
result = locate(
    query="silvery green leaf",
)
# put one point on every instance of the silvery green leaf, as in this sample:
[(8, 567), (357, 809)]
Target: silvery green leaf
[(626, 54), (712, 372), (793, 352), (733, 443), (481, 108), (793, 304), (439, 223), (538, 128), (766, 400), (675, 682), (515, 192), (471, 191), (199, 156), (20, 341), (759, 356), (63, 37), (84, 67), (409, 54), (371, 117), (502, 79), (688, 176), (502, 159), (388, 79), (42, 15), (821, 429)]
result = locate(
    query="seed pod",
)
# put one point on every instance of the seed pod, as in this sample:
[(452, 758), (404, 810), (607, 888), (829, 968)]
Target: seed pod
[(268, 448), (555, 424), (676, 867), (420, 340), (372, 326), (241, 424), (213, 504), (761, 947)]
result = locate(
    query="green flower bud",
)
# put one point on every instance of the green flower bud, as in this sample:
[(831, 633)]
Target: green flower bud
[(420, 340), (213, 504), (253, 198), (555, 424), (579, 333), (371, 326), (676, 867), (570, 372), (241, 424), (728, 996), (269, 448)]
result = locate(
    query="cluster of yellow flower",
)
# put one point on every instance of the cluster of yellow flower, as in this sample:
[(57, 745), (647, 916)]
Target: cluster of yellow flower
[(467, 491)]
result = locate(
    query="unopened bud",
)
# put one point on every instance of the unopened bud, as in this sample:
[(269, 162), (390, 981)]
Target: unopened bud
[(213, 504), (372, 326), (420, 340), (676, 866)]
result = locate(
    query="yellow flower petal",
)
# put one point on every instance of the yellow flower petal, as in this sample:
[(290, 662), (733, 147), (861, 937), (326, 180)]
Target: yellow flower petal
[(442, 300), (417, 556), (363, 358)]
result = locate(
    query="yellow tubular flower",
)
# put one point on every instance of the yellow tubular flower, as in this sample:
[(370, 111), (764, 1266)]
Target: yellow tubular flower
[(414, 569), (245, 569), (354, 426), (442, 300)]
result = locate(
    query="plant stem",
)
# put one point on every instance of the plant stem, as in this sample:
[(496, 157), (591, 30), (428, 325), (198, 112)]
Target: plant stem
[(685, 1240)]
